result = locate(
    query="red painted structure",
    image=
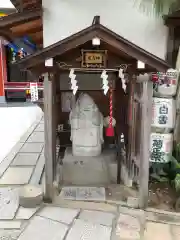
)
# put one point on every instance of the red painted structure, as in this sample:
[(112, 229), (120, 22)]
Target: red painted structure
[(20, 86), (11, 87), (12, 28), (3, 69)]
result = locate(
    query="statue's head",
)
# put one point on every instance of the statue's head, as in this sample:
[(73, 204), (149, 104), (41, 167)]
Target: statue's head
[(86, 103), (86, 109)]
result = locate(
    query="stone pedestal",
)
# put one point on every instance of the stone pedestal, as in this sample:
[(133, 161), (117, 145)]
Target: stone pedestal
[(88, 170)]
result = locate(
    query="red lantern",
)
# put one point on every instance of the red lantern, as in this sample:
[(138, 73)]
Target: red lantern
[(155, 78)]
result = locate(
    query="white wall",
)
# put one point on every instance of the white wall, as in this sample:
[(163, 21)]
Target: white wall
[(63, 18), (6, 4), (14, 122)]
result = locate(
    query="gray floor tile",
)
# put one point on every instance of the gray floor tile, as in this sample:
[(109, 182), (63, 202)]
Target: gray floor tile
[(10, 224), (25, 213), (86, 230), (25, 159), (63, 215), (16, 176), (98, 217), (36, 137), (9, 234), (27, 134), (40, 128), (128, 227), (44, 229), (32, 147), (9, 202), (24, 138), (36, 177), (7, 160)]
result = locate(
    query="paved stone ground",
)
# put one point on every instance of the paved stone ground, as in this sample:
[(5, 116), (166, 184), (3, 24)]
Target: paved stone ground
[(25, 162), (77, 221), (65, 219)]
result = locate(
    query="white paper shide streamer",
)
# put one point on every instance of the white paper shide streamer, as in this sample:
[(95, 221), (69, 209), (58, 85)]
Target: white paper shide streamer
[(121, 75), (105, 85), (74, 86)]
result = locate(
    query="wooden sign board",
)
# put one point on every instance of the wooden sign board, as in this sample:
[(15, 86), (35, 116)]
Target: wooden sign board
[(94, 58), (34, 91)]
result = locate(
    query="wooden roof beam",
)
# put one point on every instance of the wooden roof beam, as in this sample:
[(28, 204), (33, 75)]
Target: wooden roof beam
[(36, 37), (18, 18), (30, 31), (22, 28)]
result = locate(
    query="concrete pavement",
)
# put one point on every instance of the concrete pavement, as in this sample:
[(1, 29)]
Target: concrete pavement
[(65, 219), (77, 221)]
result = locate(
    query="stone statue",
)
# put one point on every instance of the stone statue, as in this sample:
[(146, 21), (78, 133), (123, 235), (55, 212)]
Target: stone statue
[(86, 127)]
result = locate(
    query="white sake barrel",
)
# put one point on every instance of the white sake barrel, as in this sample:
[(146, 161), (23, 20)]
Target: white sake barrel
[(163, 114), (161, 145), (168, 84)]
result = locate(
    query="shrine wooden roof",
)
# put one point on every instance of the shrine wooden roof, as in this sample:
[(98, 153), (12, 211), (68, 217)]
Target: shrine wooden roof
[(107, 36), (24, 22)]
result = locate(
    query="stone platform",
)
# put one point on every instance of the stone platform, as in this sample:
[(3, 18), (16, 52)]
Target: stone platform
[(100, 170)]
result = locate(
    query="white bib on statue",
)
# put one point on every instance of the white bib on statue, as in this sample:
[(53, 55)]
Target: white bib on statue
[(86, 127)]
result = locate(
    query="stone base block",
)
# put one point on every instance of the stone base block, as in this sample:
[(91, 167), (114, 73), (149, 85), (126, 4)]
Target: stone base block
[(30, 196), (87, 170)]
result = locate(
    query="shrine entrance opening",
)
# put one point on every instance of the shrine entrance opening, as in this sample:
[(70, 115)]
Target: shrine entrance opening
[(117, 165), (87, 90), (90, 83)]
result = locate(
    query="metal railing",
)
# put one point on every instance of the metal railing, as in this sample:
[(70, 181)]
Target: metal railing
[(21, 86)]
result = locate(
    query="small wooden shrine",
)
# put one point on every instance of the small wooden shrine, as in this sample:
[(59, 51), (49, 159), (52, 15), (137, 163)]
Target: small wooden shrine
[(131, 107)]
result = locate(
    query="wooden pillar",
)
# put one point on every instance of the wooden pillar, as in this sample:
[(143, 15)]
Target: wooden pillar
[(50, 135), (132, 82), (3, 71), (146, 110), (177, 121)]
